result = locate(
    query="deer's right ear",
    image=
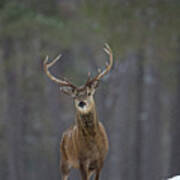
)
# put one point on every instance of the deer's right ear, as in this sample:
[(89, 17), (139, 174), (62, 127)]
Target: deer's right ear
[(70, 91)]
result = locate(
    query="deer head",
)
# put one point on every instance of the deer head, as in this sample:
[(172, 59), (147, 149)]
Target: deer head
[(83, 95)]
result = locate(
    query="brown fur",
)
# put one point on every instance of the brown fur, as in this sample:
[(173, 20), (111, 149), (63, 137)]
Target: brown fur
[(84, 146)]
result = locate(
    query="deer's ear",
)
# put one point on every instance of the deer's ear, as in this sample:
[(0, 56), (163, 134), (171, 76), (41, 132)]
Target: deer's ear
[(94, 84), (91, 89), (69, 91)]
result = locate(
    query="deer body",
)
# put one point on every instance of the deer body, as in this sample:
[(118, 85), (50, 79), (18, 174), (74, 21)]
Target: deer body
[(85, 144)]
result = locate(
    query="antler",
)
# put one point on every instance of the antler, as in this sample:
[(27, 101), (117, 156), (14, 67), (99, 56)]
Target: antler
[(101, 73), (52, 77), (63, 82)]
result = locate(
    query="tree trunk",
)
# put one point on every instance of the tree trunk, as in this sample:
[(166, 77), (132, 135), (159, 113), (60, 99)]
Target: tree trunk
[(151, 160), (175, 129), (14, 127)]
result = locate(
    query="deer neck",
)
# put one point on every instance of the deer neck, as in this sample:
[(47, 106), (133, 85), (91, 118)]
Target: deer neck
[(87, 123)]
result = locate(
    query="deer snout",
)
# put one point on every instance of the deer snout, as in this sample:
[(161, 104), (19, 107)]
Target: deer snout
[(82, 104)]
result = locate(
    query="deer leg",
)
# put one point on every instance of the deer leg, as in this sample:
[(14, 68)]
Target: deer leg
[(84, 172), (65, 170), (64, 177), (97, 174)]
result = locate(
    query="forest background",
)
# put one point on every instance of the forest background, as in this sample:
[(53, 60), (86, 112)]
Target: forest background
[(138, 102)]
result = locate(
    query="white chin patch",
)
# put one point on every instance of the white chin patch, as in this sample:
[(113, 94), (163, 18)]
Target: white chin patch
[(84, 109)]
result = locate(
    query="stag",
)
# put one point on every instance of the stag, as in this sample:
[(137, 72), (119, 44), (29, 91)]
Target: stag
[(84, 145)]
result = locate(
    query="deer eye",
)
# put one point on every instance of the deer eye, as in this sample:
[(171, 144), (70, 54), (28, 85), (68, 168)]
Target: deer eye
[(89, 94)]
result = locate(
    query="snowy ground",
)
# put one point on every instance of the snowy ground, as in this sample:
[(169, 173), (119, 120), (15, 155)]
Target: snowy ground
[(175, 178)]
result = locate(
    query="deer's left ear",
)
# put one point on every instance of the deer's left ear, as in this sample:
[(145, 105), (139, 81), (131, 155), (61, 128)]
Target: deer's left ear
[(95, 84), (92, 88)]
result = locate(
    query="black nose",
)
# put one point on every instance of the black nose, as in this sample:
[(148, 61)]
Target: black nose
[(82, 104)]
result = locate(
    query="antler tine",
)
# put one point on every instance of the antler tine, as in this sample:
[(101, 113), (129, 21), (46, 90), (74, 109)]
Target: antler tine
[(89, 75), (53, 61), (52, 77), (87, 82), (100, 74)]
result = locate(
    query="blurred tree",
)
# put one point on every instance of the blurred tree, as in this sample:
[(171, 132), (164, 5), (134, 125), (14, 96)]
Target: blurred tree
[(151, 159), (14, 123), (136, 102), (175, 125)]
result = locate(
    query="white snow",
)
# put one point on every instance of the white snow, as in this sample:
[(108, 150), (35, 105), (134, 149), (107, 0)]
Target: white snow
[(174, 178)]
